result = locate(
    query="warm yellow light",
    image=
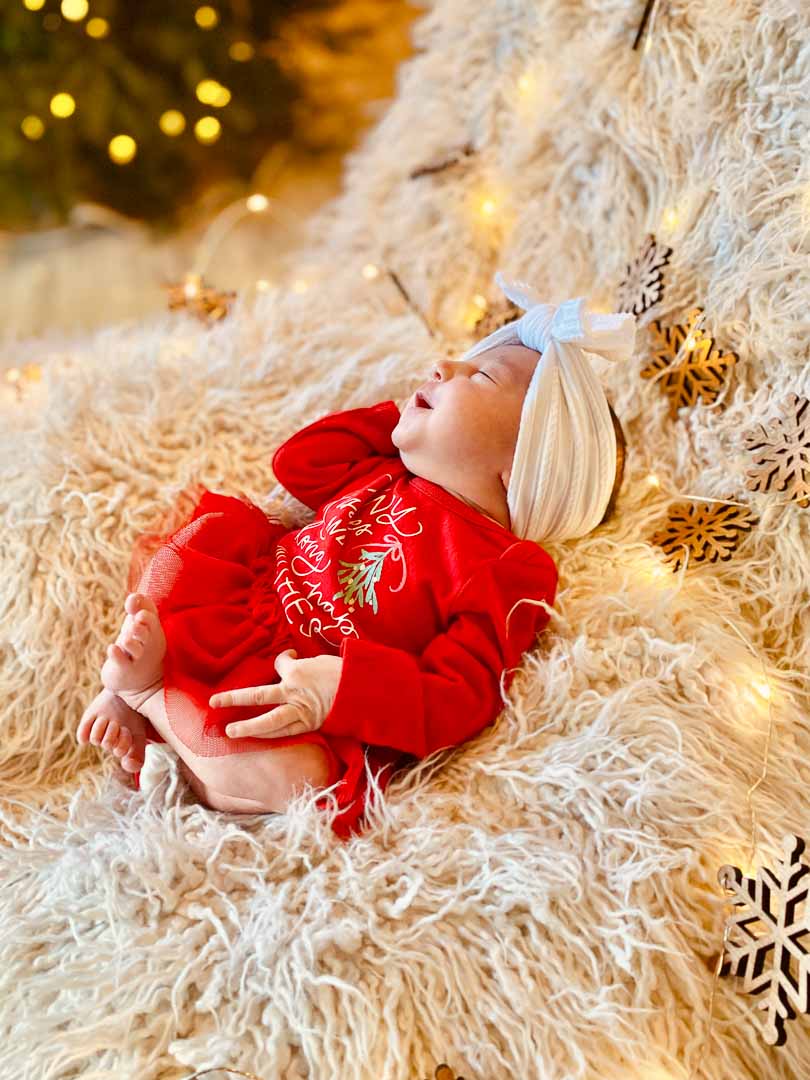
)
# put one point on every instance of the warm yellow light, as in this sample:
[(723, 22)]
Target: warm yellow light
[(257, 203), (670, 218), (241, 50), (122, 149), (207, 129), (299, 285), (172, 122), (262, 284), (689, 343), (34, 5), (652, 480), (206, 17), (210, 92), (32, 127), (370, 271), (525, 83), (762, 687), (13, 375), (488, 207), (480, 301), (191, 285), (97, 27), (62, 105), (75, 10)]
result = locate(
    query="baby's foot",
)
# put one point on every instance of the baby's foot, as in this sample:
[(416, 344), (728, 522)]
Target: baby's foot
[(134, 665), (110, 722)]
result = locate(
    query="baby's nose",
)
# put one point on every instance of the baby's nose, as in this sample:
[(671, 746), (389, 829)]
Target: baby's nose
[(442, 368)]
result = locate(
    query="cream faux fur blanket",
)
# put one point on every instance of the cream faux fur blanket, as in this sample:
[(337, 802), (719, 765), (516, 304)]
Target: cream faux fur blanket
[(541, 902)]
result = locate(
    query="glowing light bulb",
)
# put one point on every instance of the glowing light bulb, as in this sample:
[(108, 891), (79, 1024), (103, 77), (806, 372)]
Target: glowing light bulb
[(525, 83), (207, 129), (191, 286), (122, 149), (262, 285), (480, 302), (670, 218), (241, 51), (762, 687), (210, 92), (256, 203), (62, 105), (689, 343), (488, 207), (32, 127), (97, 27), (172, 122), (75, 10), (206, 17), (370, 271), (653, 480), (34, 5)]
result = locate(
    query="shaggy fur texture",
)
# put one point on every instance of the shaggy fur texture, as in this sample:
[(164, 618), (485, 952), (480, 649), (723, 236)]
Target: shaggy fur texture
[(543, 901)]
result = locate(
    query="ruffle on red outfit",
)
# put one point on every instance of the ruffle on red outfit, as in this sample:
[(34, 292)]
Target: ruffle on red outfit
[(211, 577)]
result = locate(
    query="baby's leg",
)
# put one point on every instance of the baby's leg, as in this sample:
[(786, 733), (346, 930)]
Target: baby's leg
[(250, 782), (265, 780)]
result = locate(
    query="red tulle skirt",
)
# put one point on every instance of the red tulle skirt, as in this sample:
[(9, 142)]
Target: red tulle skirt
[(209, 567)]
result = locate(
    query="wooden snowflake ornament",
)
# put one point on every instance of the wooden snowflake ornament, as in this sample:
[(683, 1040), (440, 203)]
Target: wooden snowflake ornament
[(643, 284), (710, 531), (206, 303), (781, 452), (769, 955), (693, 366)]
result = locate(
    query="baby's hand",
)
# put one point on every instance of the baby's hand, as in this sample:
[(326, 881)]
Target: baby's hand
[(308, 689)]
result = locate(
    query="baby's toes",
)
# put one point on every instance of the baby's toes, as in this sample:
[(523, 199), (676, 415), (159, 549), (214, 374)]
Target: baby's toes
[(137, 602), (110, 736), (123, 743)]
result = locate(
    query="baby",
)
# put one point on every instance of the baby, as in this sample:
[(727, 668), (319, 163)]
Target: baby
[(390, 618)]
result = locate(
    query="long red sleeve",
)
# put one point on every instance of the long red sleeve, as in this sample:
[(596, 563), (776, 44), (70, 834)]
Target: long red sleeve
[(335, 451), (420, 703)]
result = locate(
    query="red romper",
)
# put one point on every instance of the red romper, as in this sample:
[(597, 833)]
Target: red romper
[(408, 584)]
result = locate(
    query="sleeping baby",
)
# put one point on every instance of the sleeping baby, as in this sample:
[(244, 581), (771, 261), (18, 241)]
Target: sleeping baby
[(272, 659)]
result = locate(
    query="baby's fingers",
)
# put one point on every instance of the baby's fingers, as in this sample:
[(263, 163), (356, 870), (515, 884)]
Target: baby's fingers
[(271, 725), (247, 695)]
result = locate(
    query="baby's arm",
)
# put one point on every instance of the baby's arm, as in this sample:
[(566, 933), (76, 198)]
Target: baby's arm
[(330, 454), (451, 692)]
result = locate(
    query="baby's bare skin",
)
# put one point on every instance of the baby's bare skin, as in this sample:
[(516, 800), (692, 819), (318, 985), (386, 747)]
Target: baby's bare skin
[(111, 719), (133, 682)]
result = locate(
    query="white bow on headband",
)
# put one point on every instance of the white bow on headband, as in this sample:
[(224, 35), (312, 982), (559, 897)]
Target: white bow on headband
[(565, 455)]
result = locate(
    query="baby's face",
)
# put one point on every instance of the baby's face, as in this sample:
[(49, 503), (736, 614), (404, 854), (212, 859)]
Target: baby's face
[(465, 441)]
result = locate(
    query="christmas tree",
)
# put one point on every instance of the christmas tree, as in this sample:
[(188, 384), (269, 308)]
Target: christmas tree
[(141, 106)]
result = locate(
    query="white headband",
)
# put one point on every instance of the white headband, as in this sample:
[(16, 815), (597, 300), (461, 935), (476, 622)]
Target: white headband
[(565, 456)]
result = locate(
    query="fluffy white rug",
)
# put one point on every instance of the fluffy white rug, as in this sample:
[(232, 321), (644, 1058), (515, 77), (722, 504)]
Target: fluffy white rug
[(543, 901)]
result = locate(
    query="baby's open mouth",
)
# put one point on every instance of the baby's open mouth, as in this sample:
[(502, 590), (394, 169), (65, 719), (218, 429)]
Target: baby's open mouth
[(421, 402)]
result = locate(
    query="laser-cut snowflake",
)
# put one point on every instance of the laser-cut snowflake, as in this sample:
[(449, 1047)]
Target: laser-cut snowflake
[(781, 452), (700, 370), (643, 284), (208, 304), (778, 902), (708, 530)]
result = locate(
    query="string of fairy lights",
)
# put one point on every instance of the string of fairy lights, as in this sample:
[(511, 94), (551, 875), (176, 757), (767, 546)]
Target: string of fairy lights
[(488, 207)]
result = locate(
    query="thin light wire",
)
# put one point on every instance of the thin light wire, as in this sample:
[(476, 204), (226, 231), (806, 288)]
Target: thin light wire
[(223, 1068)]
